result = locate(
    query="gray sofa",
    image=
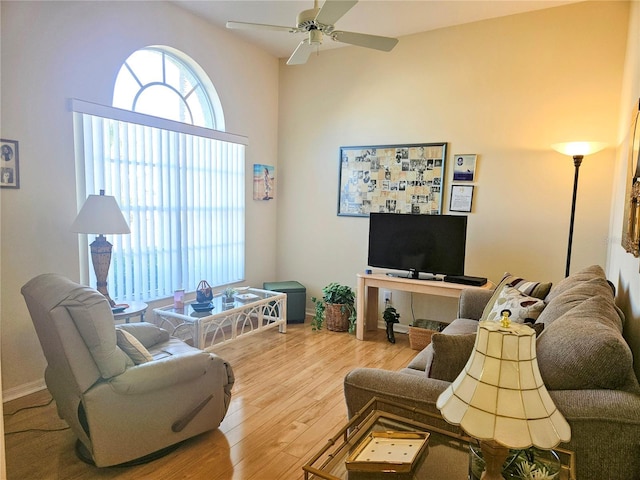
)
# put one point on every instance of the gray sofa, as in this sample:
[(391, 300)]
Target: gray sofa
[(586, 365)]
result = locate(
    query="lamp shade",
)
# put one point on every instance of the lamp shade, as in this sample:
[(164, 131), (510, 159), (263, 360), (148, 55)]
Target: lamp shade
[(578, 148), (100, 214), (500, 394)]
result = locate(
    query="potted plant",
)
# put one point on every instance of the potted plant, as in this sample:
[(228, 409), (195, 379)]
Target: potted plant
[(390, 316), (228, 296), (337, 307)]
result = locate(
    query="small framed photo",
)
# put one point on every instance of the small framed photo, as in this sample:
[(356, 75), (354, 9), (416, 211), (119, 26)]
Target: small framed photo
[(464, 168), (461, 198), (264, 179), (9, 174)]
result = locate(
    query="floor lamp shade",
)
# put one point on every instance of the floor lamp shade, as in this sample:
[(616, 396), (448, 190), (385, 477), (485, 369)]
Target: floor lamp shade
[(577, 150), (101, 215)]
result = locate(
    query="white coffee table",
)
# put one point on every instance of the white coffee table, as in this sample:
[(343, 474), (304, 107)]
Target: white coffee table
[(254, 310)]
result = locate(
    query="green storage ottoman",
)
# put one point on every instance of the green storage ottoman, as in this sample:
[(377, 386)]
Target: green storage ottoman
[(296, 298)]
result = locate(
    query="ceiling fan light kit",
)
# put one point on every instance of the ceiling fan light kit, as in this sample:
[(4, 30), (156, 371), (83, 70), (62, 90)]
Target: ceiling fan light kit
[(319, 21)]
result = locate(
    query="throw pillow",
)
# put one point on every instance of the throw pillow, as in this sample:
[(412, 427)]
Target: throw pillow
[(532, 289), (521, 307), (450, 355), (132, 347)]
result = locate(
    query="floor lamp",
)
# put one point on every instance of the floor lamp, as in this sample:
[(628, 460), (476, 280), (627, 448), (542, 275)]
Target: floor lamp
[(101, 215), (577, 150)]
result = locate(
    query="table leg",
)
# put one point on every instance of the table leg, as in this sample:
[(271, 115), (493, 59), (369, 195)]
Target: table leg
[(372, 308), (360, 306)]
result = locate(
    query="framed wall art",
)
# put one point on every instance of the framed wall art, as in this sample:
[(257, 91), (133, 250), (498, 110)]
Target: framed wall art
[(9, 173), (464, 168), (405, 178), (461, 198), (631, 219), (264, 181)]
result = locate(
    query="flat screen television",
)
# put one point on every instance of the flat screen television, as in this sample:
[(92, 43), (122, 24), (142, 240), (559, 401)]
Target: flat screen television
[(430, 245)]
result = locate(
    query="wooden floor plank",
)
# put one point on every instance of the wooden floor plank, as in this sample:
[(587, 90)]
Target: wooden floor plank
[(287, 402)]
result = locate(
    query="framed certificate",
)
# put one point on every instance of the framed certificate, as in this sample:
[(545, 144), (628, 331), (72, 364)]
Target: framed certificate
[(461, 198)]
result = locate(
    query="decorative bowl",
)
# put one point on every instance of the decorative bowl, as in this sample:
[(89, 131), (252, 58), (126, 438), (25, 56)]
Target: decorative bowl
[(202, 307)]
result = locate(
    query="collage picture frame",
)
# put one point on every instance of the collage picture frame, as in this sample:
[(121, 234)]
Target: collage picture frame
[(403, 178)]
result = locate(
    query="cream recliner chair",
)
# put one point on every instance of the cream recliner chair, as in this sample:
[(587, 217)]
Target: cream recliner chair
[(122, 406)]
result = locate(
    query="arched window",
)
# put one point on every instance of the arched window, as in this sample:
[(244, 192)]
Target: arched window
[(157, 81), (162, 152)]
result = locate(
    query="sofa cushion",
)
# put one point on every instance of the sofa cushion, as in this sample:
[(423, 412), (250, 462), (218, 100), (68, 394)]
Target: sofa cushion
[(422, 361), (573, 294), (532, 289), (584, 349), (520, 306), (586, 274), (460, 326), (450, 355)]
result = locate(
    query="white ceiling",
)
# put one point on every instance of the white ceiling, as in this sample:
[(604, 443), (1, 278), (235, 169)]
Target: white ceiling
[(391, 18)]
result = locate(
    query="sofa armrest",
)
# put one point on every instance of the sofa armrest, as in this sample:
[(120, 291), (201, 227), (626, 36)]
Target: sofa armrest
[(146, 333), (164, 372), (472, 302), (413, 390), (605, 431)]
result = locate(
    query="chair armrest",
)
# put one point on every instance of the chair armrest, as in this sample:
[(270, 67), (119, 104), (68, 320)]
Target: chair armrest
[(472, 302), (147, 333), (163, 373)]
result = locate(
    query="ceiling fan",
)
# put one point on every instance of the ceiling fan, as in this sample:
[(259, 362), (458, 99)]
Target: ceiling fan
[(318, 22)]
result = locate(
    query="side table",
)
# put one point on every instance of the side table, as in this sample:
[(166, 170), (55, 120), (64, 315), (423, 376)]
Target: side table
[(135, 309), (445, 458)]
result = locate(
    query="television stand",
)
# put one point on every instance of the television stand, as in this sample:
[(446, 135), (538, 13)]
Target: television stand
[(367, 295)]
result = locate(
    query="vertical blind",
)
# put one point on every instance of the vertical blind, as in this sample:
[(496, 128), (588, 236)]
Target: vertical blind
[(181, 193)]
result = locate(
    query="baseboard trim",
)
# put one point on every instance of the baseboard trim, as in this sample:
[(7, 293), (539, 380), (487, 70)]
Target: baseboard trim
[(23, 390)]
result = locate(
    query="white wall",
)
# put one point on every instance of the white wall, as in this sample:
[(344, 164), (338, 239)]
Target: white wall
[(53, 51), (623, 268), (505, 89)]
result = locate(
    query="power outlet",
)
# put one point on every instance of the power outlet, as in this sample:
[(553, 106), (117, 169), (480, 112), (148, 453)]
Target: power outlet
[(386, 295)]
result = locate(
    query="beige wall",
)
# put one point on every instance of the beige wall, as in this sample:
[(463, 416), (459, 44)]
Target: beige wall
[(623, 269), (53, 51), (505, 89)]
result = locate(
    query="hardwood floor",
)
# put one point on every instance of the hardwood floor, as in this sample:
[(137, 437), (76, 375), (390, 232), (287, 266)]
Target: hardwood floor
[(287, 401)]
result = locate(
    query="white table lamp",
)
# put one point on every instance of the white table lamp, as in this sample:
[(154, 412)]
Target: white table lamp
[(101, 215), (500, 399)]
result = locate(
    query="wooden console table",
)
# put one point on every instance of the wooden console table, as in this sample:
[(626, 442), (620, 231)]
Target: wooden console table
[(367, 295)]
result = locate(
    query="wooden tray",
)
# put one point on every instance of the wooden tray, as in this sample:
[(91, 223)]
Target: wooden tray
[(388, 452)]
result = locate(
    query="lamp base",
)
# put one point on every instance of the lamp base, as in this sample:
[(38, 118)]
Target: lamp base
[(101, 259), (494, 456)]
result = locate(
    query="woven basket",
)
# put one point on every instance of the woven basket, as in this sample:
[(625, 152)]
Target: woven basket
[(419, 338), (421, 330), (337, 321)]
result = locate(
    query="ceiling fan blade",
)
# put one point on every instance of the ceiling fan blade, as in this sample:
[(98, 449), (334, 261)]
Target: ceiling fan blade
[(260, 26), (301, 53), (377, 42), (333, 10)]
